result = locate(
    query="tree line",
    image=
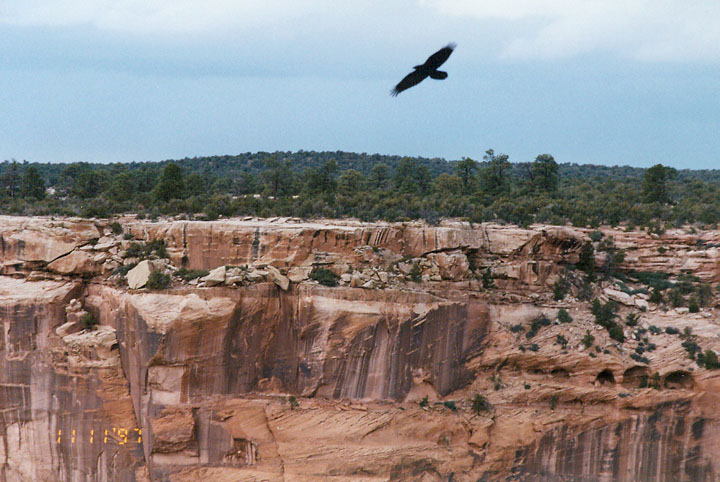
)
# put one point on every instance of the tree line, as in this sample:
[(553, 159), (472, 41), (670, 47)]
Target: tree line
[(310, 184)]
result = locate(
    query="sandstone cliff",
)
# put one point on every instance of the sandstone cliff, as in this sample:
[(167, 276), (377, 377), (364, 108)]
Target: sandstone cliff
[(440, 354)]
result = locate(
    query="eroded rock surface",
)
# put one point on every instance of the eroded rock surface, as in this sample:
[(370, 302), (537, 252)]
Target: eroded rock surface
[(433, 353)]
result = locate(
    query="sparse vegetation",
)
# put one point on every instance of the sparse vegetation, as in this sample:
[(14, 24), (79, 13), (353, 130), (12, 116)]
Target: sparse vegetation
[(116, 228), (605, 316), (293, 402), (191, 274), (158, 281), (480, 404), (564, 316), (588, 339), (324, 276), (88, 321), (537, 323)]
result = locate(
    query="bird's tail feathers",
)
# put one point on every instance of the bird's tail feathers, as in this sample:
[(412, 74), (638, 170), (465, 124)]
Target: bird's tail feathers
[(438, 75)]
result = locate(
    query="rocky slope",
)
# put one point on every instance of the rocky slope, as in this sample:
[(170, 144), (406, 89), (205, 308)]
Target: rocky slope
[(441, 353)]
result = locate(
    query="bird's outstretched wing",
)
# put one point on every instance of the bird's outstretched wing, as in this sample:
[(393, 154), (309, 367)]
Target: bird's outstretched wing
[(439, 57), (410, 80)]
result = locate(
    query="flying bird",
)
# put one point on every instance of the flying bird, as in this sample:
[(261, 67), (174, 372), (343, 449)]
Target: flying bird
[(428, 69)]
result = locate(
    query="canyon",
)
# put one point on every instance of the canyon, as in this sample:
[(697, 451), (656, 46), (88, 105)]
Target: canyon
[(433, 353)]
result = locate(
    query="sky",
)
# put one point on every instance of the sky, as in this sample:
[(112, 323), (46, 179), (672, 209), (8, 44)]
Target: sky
[(614, 82)]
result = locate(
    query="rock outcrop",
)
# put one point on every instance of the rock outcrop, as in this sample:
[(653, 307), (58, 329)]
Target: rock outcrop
[(349, 351)]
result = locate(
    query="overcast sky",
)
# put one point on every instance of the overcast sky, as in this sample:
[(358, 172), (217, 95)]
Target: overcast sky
[(631, 82)]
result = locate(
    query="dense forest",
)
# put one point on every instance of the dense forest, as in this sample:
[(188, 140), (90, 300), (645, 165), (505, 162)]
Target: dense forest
[(310, 184)]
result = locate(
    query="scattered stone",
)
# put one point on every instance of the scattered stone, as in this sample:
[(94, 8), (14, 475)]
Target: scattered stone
[(37, 276), (405, 268), (105, 246), (139, 275), (299, 273), (68, 328), (233, 280), (619, 296), (278, 278), (254, 276), (75, 263), (215, 277), (100, 258)]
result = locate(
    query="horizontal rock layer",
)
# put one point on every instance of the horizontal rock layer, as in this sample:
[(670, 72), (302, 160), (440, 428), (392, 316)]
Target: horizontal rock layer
[(272, 376)]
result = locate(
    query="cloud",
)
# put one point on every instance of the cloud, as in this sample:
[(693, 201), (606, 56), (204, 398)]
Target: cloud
[(655, 30), (658, 30), (157, 16)]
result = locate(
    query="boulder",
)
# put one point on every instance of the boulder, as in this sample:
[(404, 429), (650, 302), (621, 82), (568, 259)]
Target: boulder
[(299, 273), (405, 268), (215, 277), (138, 276), (75, 263), (619, 296), (254, 276), (278, 278), (452, 266)]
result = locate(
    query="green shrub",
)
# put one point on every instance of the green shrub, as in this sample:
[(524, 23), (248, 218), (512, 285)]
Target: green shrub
[(116, 228), (480, 404), (537, 323), (158, 281), (671, 330), (596, 235), (639, 358), (655, 383), (711, 360), (616, 333), (451, 405), (586, 262), (293, 402), (691, 348), (324, 276), (676, 298), (534, 347), (123, 270), (564, 316), (632, 319), (415, 273), (517, 328), (561, 340), (588, 339), (604, 314), (191, 274), (656, 296), (693, 306), (135, 250), (654, 330), (487, 279), (424, 403), (561, 289), (88, 321)]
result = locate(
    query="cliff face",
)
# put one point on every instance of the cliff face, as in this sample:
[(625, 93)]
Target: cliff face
[(438, 356)]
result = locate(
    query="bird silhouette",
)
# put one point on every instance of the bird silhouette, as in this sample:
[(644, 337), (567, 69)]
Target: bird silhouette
[(428, 69)]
